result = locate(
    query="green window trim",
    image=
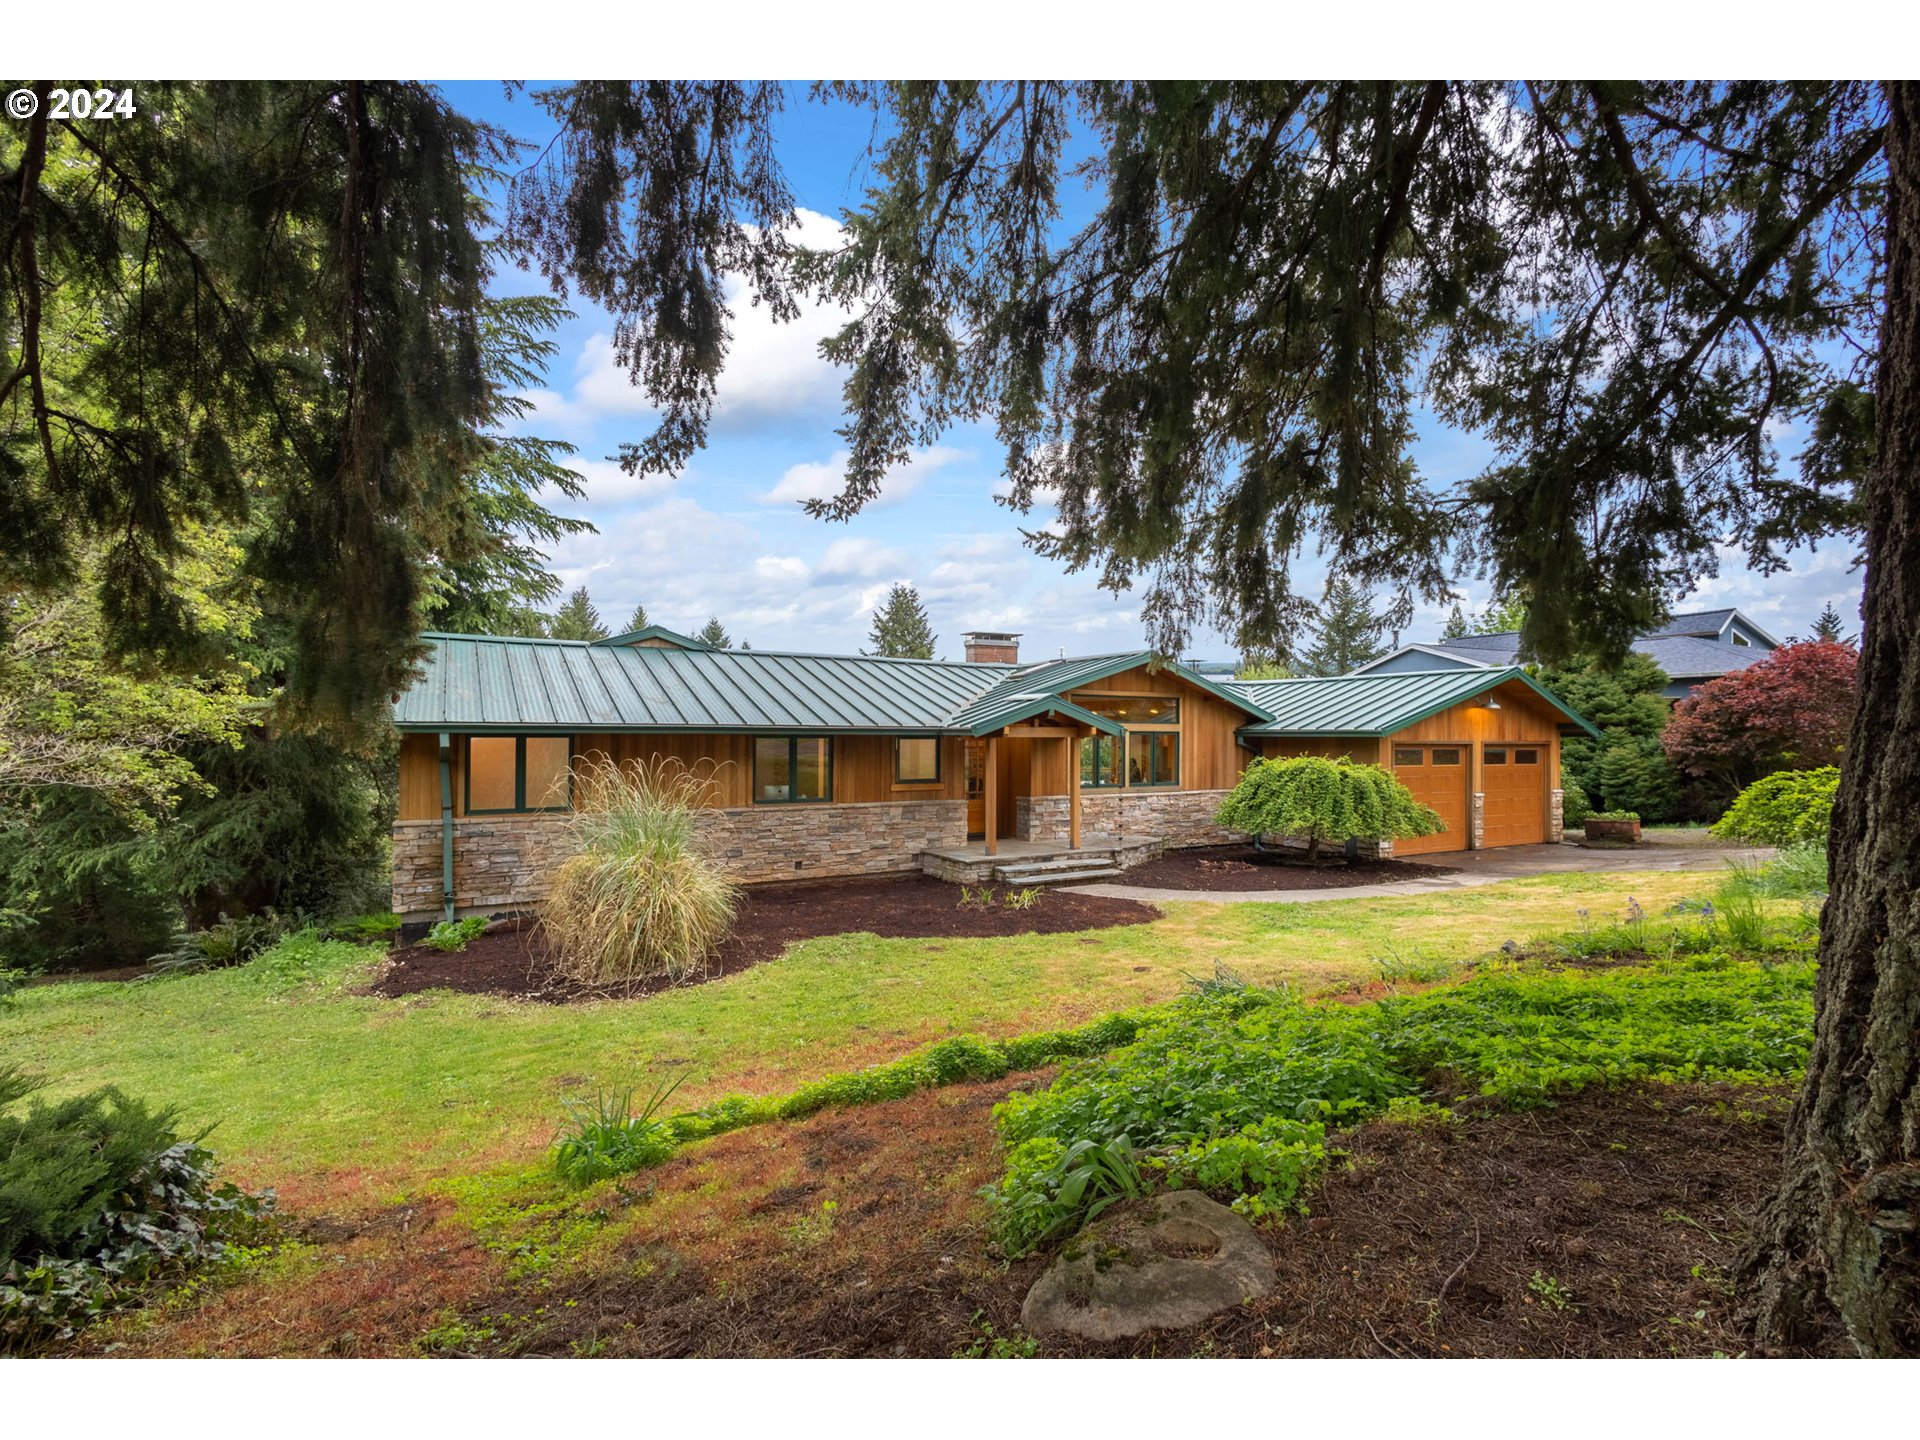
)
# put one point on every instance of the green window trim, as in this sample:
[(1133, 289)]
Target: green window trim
[(520, 806), (1100, 746), (1153, 752), (793, 743), (939, 761)]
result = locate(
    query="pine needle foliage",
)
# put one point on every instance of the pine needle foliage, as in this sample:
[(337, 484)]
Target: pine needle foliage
[(1317, 800), (638, 898)]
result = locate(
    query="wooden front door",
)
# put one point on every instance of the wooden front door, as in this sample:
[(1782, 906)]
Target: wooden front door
[(976, 788), (1437, 776), (1514, 780)]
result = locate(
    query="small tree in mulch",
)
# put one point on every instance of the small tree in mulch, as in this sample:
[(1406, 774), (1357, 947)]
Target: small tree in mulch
[(1316, 800)]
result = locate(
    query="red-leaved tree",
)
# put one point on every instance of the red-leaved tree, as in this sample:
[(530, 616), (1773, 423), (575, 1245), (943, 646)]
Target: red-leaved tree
[(1790, 711)]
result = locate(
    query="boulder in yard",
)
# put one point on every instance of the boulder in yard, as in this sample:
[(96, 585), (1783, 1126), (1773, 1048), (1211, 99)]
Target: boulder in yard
[(1156, 1264)]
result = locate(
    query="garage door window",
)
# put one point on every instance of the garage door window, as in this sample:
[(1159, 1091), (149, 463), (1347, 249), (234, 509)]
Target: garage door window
[(1526, 757), (1406, 757), (1446, 757), (1496, 756)]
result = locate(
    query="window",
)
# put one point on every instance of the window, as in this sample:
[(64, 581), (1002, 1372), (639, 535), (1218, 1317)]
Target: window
[(1100, 762), (916, 761), (1153, 758), (1526, 757), (1446, 757), (1406, 757), (508, 773), (1495, 755), (792, 770), (1132, 709), (1740, 639)]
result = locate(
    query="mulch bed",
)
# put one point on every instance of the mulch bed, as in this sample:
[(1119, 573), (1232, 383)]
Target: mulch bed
[(1241, 867), (512, 959), (1604, 1227)]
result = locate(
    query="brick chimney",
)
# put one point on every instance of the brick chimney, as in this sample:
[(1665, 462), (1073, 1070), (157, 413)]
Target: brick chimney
[(991, 647)]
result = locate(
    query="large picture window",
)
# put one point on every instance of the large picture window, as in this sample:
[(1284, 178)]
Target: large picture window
[(1153, 758), (1132, 709), (1100, 763), (916, 761), (510, 774), (792, 770)]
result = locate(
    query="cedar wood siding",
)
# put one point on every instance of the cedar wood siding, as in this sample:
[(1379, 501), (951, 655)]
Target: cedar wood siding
[(862, 767)]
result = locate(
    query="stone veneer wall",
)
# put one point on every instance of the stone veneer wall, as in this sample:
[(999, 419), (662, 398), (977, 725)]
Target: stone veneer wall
[(1556, 816), (1180, 817), (501, 862)]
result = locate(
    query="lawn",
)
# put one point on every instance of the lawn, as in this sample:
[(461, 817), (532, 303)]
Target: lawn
[(343, 1100)]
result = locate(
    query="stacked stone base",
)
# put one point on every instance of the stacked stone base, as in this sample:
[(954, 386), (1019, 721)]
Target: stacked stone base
[(1181, 818), (505, 862)]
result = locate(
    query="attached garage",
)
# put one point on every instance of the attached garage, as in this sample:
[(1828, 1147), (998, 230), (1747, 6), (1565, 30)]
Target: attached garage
[(1437, 775), (1450, 737)]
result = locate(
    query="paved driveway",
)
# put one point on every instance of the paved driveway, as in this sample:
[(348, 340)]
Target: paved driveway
[(1472, 867)]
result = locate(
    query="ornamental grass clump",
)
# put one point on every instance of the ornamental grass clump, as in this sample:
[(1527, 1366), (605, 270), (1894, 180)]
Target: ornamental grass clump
[(1315, 800), (639, 897)]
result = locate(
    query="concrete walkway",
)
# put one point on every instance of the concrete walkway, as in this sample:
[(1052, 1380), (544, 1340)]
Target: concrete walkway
[(1471, 868)]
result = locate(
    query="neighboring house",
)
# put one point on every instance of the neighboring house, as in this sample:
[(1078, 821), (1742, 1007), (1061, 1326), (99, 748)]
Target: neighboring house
[(1692, 649), (832, 765)]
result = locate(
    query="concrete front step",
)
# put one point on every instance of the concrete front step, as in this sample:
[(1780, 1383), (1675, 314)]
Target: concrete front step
[(1056, 876), (1078, 860)]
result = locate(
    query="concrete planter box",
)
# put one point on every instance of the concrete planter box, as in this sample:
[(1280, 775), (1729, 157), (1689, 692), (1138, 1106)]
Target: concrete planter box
[(1627, 830)]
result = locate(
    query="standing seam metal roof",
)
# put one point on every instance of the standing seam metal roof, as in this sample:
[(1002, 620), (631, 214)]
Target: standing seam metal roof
[(1378, 705), (495, 682)]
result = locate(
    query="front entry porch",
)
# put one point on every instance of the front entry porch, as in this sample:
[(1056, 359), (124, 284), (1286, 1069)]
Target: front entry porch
[(1039, 862)]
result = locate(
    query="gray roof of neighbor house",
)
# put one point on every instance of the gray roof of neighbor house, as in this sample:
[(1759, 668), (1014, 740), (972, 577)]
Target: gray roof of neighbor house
[(1683, 657), (477, 682), (1375, 706)]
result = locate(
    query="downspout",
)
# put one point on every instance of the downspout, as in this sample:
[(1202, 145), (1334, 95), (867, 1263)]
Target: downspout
[(446, 823)]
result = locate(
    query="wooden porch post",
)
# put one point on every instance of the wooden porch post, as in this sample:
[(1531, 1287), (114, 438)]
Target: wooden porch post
[(1073, 792), (993, 794)]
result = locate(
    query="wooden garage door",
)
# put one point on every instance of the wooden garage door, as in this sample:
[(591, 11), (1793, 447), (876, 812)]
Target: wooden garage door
[(1514, 780), (1437, 776)]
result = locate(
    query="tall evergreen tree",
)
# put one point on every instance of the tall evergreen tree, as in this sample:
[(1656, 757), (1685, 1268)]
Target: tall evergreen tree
[(1504, 615), (1456, 625), (714, 634), (901, 628), (637, 620), (279, 288), (490, 575), (1829, 627), (1347, 634), (577, 619)]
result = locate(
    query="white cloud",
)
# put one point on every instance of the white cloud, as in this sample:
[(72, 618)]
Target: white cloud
[(773, 370), (606, 484), (789, 568), (859, 557), (823, 479)]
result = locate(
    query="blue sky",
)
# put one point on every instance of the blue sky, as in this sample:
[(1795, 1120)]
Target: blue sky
[(727, 536)]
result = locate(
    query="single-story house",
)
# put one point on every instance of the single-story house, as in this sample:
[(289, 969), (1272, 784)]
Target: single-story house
[(1692, 649), (836, 765)]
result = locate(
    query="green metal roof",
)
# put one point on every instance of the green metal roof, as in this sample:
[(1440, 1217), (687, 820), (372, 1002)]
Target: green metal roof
[(657, 632), (1378, 705), (998, 708), (1058, 677)]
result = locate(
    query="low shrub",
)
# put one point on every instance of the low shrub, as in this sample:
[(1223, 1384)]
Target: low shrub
[(1789, 807), (11, 984), (229, 941), (638, 896), (363, 929), (1574, 805), (101, 1201), (1617, 816), (449, 936), (1316, 800)]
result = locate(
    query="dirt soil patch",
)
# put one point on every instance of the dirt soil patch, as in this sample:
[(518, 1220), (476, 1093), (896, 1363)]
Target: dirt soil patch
[(513, 960), (1241, 867), (1604, 1227)]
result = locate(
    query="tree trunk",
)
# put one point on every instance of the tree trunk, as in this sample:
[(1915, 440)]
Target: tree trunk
[(1838, 1246)]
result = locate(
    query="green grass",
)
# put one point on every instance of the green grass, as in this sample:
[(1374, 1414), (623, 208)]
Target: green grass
[(329, 1094)]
